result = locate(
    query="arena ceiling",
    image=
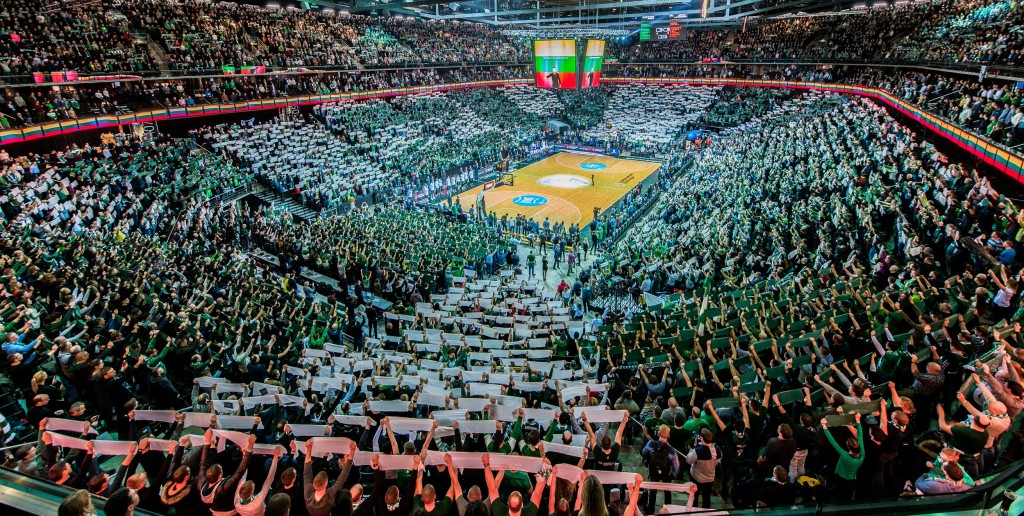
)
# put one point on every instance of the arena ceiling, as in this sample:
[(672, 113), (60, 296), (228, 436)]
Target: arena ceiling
[(552, 14)]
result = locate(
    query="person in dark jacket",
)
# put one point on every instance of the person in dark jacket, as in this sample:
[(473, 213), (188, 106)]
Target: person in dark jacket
[(165, 395), (780, 449), (180, 492), (100, 484), (60, 471), (318, 496), (215, 491), (291, 485), (777, 491), (391, 502)]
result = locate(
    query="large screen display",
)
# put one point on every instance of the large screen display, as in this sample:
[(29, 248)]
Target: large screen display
[(555, 63), (592, 61), (661, 32)]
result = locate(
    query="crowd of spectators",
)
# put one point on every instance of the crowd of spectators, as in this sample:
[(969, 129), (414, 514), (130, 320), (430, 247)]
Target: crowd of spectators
[(422, 145), (831, 305), (976, 31), (806, 360), (696, 45), (203, 36), (68, 35), (70, 102), (989, 108), (865, 225), (774, 40)]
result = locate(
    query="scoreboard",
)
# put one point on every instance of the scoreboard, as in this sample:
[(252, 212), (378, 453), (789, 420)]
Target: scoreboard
[(661, 32)]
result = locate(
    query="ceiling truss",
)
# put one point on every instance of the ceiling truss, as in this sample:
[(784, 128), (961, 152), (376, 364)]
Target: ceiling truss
[(596, 14)]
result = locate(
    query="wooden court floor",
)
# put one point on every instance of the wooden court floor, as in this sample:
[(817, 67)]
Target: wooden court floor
[(558, 188)]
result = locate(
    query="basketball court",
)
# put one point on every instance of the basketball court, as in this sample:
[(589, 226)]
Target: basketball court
[(559, 187)]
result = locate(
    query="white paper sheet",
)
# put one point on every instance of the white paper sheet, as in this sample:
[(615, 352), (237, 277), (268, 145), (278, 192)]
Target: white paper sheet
[(478, 427), (395, 462), (64, 441), (200, 419), (599, 415), (310, 430), (353, 420), (112, 448), (323, 446), (516, 462), (56, 424), (389, 406), (403, 425), (159, 416), (236, 422), (572, 451)]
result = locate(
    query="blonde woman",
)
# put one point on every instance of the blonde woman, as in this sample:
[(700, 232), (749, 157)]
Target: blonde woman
[(590, 497), (38, 380)]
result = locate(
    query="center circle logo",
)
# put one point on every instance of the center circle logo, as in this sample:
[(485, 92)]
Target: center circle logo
[(529, 200), (565, 181), (593, 166)]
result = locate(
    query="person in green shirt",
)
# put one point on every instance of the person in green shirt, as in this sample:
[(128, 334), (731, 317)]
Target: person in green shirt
[(559, 426), (426, 498), (516, 505), (970, 440), (849, 459), (652, 424), (532, 449), (606, 452), (699, 419)]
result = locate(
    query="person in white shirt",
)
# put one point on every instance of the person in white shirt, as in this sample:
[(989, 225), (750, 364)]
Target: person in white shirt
[(249, 504)]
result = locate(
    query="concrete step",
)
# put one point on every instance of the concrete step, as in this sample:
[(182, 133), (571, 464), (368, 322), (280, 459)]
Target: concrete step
[(285, 203), (158, 53)]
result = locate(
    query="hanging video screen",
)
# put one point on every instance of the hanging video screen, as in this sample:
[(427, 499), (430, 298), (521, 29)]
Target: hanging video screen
[(593, 58), (555, 63)]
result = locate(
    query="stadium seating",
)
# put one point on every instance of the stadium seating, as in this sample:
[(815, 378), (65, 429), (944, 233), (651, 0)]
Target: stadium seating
[(814, 301)]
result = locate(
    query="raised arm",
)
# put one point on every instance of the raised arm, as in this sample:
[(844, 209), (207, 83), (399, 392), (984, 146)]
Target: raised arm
[(538, 490), (551, 490), (590, 430), (634, 496), (426, 442), (944, 425), (391, 436), (743, 410), (714, 414), (621, 430), (492, 486), (455, 491)]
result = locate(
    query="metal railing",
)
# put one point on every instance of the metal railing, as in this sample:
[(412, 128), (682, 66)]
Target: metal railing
[(992, 71), (979, 499), (24, 494)]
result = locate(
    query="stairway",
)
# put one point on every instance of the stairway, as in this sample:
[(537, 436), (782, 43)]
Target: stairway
[(157, 51), (256, 43), (280, 201), (729, 38), (351, 51), (240, 193)]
